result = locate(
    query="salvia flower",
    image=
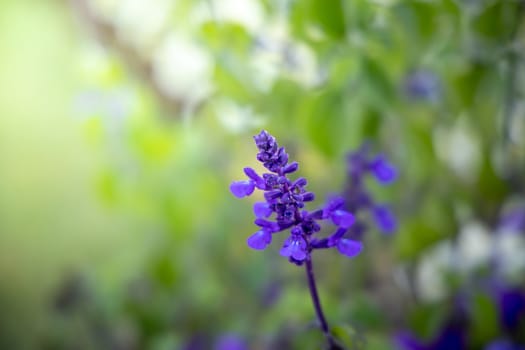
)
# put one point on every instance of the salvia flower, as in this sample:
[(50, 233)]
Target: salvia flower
[(284, 203)]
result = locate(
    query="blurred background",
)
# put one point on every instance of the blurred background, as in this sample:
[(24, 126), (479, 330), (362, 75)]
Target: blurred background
[(123, 122)]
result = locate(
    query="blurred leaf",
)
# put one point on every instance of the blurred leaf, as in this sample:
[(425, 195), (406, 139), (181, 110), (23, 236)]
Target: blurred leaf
[(349, 337), (427, 319), (484, 319), (380, 89), (323, 120), (326, 15), (227, 37)]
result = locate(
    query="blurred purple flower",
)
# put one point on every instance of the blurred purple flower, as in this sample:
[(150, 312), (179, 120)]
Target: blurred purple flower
[(384, 218), (511, 304), (422, 84), (230, 341), (453, 335), (383, 171), (514, 219), (504, 344), (357, 198)]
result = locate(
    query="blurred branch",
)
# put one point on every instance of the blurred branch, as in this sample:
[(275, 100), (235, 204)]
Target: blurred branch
[(106, 33), (512, 70)]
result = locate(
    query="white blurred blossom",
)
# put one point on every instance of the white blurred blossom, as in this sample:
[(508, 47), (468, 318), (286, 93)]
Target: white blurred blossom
[(183, 69), (459, 148), (431, 273), (474, 244), (236, 118)]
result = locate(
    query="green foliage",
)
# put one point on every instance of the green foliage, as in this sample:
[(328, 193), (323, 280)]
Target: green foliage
[(133, 191)]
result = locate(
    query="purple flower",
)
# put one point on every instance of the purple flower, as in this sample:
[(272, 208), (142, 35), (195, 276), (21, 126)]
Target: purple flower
[(230, 342), (422, 85), (512, 309), (514, 219), (283, 208), (452, 336), (504, 344), (295, 247)]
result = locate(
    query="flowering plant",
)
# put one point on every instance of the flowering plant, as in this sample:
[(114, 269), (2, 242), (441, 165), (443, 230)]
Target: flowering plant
[(285, 200)]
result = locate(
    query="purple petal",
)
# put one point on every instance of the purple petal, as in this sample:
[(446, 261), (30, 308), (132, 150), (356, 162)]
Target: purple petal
[(269, 226), (259, 240), (262, 210), (334, 203), (384, 218), (406, 341), (349, 247), (342, 218), (242, 188), (230, 341), (259, 182), (383, 170)]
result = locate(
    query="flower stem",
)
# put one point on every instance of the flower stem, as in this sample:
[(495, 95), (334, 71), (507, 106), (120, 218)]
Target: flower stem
[(317, 305)]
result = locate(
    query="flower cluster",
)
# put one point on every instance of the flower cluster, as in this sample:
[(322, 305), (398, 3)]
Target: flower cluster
[(284, 207), (356, 196)]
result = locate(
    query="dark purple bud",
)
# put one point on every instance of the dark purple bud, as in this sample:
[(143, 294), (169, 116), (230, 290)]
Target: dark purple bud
[(310, 226), (263, 157), (290, 168), (317, 214), (300, 182), (308, 197), (271, 195), (296, 231), (271, 180)]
